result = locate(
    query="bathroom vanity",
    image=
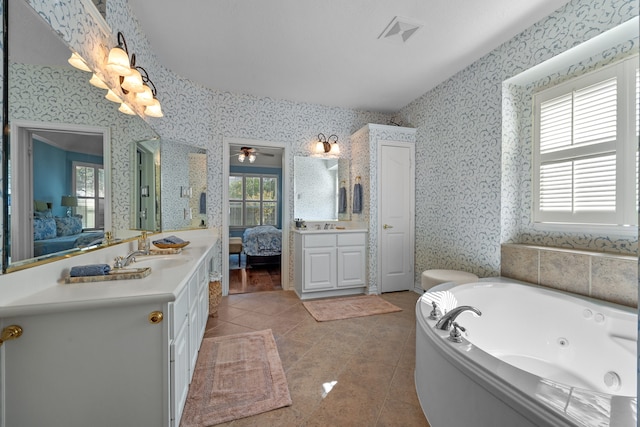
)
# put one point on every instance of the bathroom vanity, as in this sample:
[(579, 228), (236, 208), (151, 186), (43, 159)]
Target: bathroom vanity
[(110, 353), (330, 263)]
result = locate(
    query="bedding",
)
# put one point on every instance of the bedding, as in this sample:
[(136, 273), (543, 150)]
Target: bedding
[(263, 240), (57, 234)]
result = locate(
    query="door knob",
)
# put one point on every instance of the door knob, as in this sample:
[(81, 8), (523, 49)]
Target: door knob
[(387, 226), (155, 317), (10, 333)]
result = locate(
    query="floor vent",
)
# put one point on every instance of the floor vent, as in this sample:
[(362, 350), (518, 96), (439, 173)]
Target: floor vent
[(399, 30)]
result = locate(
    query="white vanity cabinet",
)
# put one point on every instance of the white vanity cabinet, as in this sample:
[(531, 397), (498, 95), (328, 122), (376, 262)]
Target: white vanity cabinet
[(329, 263), (107, 361)]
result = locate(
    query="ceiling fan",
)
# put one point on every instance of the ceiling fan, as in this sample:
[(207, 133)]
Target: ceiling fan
[(249, 153)]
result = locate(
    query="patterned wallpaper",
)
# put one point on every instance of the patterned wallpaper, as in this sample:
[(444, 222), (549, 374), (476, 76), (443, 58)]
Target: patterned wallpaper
[(459, 217), (64, 95)]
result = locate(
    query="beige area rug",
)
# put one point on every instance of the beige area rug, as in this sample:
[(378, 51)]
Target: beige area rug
[(236, 376), (348, 307)]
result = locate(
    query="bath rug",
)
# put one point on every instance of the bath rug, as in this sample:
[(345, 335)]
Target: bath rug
[(236, 376), (347, 307)]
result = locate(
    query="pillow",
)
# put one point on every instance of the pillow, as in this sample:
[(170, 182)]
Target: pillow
[(68, 225), (44, 228), (43, 214)]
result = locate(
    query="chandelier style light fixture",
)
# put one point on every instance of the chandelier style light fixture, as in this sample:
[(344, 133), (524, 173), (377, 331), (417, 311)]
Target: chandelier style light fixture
[(247, 153), (134, 80), (327, 145)]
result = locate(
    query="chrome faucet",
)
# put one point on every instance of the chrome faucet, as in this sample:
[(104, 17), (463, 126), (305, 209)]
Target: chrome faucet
[(125, 261), (447, 320)]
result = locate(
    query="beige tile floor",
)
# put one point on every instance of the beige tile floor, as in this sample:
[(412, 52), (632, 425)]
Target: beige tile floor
[(368, 360)]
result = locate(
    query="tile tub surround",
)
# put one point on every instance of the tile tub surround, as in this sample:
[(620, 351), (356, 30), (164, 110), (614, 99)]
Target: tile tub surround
[(608, 277)]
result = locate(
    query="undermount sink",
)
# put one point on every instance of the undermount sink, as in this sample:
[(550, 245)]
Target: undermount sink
[(160, 262)]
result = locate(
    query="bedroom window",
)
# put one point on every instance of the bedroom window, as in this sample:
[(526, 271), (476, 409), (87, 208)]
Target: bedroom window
[(585, 156), (88, 186), (253, 200)]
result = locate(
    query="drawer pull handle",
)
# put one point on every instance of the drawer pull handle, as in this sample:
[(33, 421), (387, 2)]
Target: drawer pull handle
[(156, 317), (10, 333), (387, 226)]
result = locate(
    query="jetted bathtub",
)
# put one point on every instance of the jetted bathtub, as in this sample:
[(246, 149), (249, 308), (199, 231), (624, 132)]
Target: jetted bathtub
[(535, 357)]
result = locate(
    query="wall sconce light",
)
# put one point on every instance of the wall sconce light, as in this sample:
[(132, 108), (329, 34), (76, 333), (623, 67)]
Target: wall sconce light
[(70, 202), (327, 145), (133, 79)]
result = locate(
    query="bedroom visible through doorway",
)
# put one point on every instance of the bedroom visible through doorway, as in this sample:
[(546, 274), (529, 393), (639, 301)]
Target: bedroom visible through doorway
[(255, 221)]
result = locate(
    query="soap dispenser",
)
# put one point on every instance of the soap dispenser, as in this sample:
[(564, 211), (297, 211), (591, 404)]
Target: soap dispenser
[(143, 242)]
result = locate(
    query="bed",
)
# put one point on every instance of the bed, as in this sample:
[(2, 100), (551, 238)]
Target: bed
[(262, 245), (56, 234)]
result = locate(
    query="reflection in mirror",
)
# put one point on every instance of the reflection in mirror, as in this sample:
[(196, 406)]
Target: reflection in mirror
[(184, 186), (145, 203), (318, 184), (47, 96)]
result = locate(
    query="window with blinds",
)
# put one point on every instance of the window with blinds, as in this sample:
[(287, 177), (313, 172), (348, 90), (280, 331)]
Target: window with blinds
[(585, 155)]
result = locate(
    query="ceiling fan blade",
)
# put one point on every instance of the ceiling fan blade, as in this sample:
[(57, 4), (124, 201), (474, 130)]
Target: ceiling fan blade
[(265, 154)]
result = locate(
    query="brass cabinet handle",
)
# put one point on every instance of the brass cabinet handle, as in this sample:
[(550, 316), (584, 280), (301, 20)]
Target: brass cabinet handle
[(156, 317), (387, 226), (10, 333)]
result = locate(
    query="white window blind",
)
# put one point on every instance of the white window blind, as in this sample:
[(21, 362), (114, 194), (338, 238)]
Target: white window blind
[(585, 155)]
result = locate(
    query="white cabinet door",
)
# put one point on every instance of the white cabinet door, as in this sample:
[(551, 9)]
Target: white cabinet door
[(179, 372), (351, 266), (319, 269)]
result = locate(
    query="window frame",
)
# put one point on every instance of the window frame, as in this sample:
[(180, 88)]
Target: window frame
[(625, 216), (261, 201), (98, 201)]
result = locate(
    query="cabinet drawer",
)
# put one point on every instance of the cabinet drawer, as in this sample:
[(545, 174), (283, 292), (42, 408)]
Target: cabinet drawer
[(319, 240), (180, 311), (351, 239)]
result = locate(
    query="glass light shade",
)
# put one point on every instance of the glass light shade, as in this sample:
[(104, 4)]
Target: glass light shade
[(111, 96), (145, 97), (97, 82), (118, 62), (319, 147), (79, 63), (154, 110), (252, 158), (133, 82), (335, 148), (241, 157), (124, 108)]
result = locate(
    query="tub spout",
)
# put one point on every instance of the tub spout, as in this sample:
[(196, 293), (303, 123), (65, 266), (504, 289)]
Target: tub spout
[(447, 320)]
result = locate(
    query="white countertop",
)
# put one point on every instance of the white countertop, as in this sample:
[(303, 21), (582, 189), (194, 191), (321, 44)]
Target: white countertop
[(42, 289), (323, 231)]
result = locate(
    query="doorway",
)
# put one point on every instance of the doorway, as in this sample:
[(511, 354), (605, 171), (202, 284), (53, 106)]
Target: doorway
[(396, 210), (254, 233)]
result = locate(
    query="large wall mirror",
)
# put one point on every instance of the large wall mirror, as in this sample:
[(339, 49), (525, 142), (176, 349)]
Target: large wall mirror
[(321, 188), (170, 186), (54, 113)]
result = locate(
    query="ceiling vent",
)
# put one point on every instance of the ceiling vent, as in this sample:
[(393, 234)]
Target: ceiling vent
[(399, 30)]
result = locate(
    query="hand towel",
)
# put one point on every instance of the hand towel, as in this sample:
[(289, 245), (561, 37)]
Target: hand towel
[(357, 198), (169, 240), (90, 270), (203, 203), (342, 200)]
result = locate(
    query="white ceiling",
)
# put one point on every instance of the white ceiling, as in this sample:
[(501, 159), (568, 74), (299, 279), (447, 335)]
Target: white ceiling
[(327, 51)]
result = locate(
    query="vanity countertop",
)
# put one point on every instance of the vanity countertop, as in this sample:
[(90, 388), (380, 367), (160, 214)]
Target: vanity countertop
[(323, 231), (42, 289)]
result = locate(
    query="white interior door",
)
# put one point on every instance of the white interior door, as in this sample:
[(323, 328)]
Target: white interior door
[(396, 205)]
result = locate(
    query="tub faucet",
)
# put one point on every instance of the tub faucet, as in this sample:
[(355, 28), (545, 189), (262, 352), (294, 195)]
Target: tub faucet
[(447, 320)]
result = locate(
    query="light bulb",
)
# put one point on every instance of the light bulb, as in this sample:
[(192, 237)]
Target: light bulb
[(145, 97), (118, 62), (79, 63), (133, 82), (111, 96), (154, 109), (124, 108), (97, 82), (252, 158), (241, 157)]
